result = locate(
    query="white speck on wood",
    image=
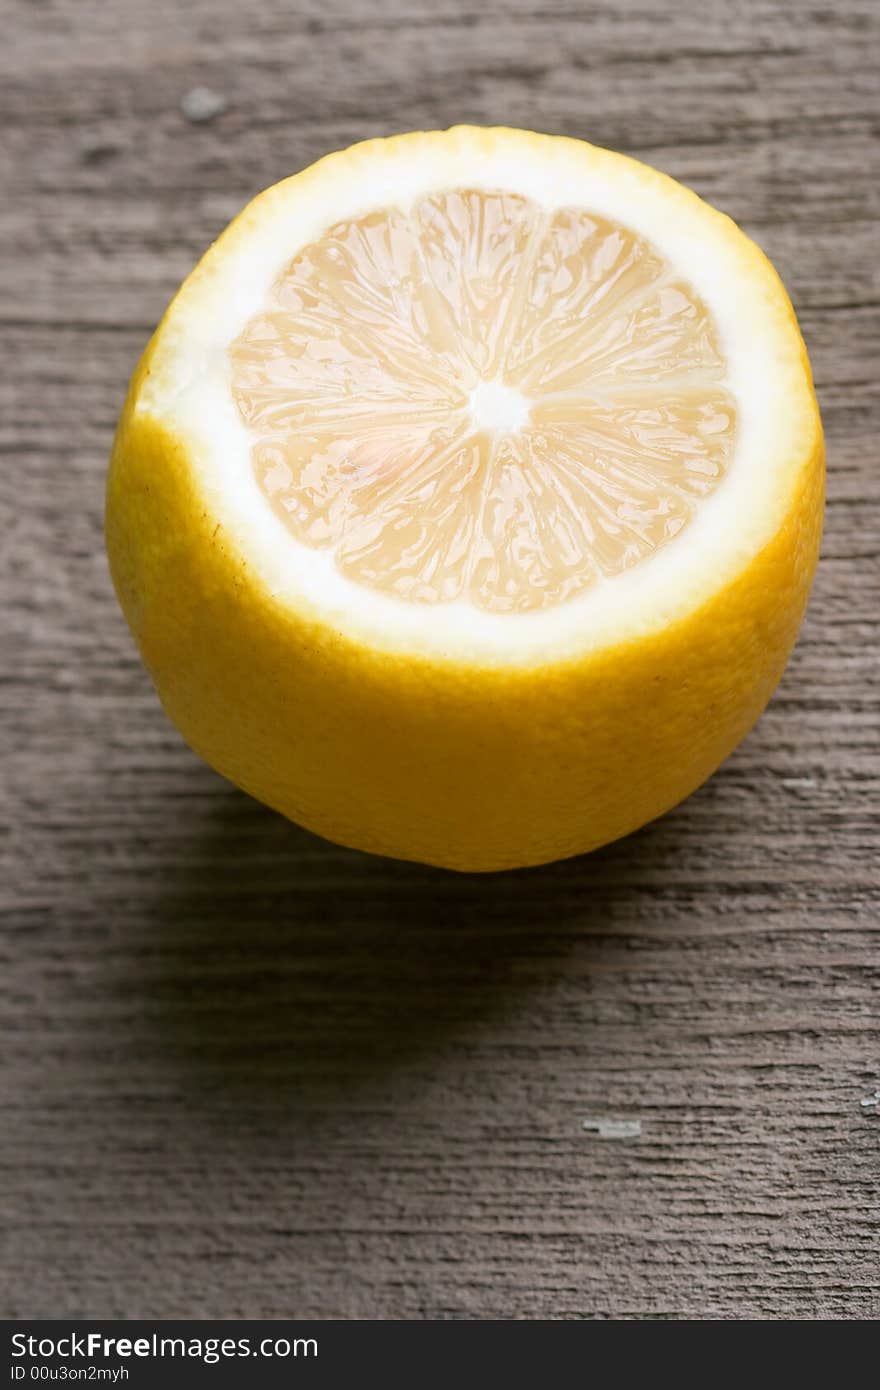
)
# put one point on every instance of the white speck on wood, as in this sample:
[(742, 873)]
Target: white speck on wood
[(201, 104), (614, 1129)]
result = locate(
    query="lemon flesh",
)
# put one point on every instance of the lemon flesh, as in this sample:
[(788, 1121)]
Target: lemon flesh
[(479, 399), (466, 502)]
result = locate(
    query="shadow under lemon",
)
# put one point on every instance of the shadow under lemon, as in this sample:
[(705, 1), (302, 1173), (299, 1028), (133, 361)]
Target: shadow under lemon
[(288, 970)]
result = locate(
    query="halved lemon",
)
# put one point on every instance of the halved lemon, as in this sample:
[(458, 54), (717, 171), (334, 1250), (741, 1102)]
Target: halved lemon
[(465, 503)]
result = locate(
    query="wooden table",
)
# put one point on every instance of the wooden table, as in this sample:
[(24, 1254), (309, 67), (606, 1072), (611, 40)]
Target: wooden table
[(247, 1073)]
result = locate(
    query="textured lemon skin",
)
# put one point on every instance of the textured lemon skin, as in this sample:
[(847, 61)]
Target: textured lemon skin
[(465, 766)]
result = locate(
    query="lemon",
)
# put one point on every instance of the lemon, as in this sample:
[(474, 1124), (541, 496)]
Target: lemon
[(465, 504)]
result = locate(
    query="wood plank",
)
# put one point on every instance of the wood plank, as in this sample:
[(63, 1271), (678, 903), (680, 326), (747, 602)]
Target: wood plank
[(248, 1073)]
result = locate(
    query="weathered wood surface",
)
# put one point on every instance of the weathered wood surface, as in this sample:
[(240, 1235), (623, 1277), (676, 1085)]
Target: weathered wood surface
[(247, 1073)]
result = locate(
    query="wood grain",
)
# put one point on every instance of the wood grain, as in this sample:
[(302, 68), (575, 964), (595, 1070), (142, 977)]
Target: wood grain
[(247, 1073)]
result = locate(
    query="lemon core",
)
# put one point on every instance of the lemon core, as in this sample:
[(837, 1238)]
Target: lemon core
[(496, 408)]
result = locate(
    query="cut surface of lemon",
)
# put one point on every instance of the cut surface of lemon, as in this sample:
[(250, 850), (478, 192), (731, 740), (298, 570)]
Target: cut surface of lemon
[(478, 399), (466, 502)]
